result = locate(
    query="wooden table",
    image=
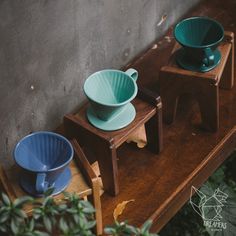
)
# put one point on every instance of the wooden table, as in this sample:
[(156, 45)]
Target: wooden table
[(162, 184)]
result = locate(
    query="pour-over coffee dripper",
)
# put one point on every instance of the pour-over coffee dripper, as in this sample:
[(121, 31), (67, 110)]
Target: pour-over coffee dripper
[(110, 93), (44, 159), (199, 38)]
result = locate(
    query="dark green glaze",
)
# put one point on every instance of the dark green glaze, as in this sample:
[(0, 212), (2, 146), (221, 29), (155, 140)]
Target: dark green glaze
[(184, 62), (199, 37)]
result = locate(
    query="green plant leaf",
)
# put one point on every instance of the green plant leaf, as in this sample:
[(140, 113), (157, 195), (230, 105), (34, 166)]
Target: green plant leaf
[(47, 223), (63, 225), (132, 230), (86, 204), (29, 234), (49, 192), (76, 218), (90, 224), (14, 227), (62, 207), (3, 228), (66, 194), (110, 230), (21, 201), (31, 225), (88, 210), (6, 199), (39, 233), (4, 217), (47, 201), (146, 226), (20, 213), (37, 211), (72, 211), (3, 209), (37, 214)]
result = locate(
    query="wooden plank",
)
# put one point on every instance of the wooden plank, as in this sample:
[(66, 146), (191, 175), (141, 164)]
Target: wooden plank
[(82, 163)]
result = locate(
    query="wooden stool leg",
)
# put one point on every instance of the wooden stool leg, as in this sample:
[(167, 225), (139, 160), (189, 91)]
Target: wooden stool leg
[(227, 79), (209, 107), (96, 201), (154, 131), (170, 88), (170, 104), (107, 160)]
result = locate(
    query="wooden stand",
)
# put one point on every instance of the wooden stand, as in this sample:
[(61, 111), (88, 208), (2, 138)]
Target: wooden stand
[(84, 183), (105, 144), (175, 81)]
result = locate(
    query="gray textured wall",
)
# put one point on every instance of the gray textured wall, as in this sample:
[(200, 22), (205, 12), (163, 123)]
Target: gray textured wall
[(49, 47)]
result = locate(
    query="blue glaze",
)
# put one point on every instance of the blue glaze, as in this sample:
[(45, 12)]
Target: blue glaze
[(43, 156), (60, 184)]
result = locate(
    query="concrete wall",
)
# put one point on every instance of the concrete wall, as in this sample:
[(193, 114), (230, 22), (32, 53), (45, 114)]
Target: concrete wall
[(49, 47)]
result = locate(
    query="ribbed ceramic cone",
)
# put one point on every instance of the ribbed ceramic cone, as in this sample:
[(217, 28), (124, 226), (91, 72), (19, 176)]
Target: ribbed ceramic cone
[(109, 87), (42, 151), (198, 32)]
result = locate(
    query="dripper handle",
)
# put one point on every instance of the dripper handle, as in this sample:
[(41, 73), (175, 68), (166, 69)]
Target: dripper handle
[(209, 57), (132, 73), (41, 184)]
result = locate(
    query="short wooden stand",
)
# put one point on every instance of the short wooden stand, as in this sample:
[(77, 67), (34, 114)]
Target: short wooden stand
[(175, 81), (104, 144), (84, 183)]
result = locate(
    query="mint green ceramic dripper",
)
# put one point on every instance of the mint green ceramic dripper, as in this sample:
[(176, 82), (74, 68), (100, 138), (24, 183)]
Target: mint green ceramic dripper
[(109, 91)]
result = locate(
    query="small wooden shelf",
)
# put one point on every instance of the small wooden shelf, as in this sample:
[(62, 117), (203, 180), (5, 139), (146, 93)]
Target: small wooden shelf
[(84, 183), (104, 145), (175, 81), (11, 178)]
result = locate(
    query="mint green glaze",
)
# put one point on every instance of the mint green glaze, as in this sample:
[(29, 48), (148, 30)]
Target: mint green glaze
[(200, 37), (124, 118), (132, 73), (110, 90)]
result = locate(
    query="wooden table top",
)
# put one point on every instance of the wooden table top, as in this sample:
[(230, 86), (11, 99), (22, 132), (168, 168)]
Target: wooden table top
[(160, 184)]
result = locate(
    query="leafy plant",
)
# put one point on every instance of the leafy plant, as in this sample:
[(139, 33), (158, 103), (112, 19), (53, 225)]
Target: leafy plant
[(75, 216), (123, 229), (70, 217), (13, 218)]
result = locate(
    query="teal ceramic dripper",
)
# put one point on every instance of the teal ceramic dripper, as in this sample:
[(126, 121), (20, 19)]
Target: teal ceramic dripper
[(200, 37), (109, 91)]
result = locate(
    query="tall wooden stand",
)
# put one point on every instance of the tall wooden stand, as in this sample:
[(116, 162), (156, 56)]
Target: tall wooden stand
[(175, 81), (105, 144)]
